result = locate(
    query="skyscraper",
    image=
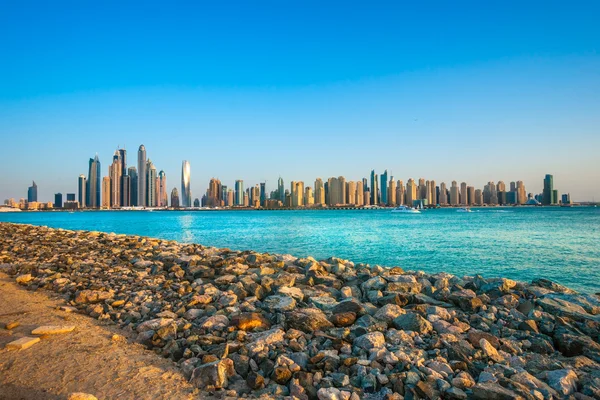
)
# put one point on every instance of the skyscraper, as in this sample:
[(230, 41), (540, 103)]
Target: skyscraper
[(125, 199), (141, 177), (114, 172), (106, 192), (400, 193), (374, 189), (351, 192), (521, 193), (214, 194), (174, 198), (547, 194), (391, 199), (454, 195), (82, 183), (411, 192), (384, 188), (133, 186), (443, 200), (186, 193), (239, 192), (319, 191), (163, 200), (280, 189), (32, 194), (337, 191), (58, 200), (151, 184), (422, 189), (94, 183), (263, 194), (463, 193)]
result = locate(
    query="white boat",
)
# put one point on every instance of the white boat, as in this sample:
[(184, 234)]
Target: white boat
[(406, 210), (464, 209)]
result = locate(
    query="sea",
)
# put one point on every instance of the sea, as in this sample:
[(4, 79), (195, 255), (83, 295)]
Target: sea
[(558, 243)]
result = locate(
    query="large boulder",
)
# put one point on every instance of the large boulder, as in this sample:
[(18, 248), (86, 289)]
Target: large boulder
[(308, 320), (413, 322)]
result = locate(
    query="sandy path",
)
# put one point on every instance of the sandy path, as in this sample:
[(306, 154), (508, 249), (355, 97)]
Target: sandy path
[(85, 360)]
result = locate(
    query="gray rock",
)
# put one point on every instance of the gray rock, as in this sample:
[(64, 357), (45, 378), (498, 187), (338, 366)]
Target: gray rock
[(413, 322), (370, 341)]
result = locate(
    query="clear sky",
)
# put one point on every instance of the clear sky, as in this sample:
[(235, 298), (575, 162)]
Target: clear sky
[(468, 91)]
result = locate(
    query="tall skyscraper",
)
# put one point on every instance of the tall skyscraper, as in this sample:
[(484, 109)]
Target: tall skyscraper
[(133, 186), (186, 193), (151, 184), (263, 194), (337, 191), (125, 199), (400, 193), (463, 194), (32, 193), (454, 195), (391, 199), (82, 183), (58, 200), (174, 198), (351, 192), (443, 197), (309, 198), (384, 188), (319, 191), (106, 192), (374, 189), (470, 195), (163, 200), (521, 193), (94, 183), (114, 172), (280, 189), (422, 189), (239, 192), (214, 194), (142, 177), (547, 194), (411, 192)]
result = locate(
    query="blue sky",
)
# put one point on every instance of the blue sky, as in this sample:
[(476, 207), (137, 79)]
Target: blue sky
[(460, 91)]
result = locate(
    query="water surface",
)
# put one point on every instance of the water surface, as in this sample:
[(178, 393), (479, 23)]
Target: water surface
[(561, 244)]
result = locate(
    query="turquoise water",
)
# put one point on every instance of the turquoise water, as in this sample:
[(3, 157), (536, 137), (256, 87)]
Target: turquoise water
[(561, 244)]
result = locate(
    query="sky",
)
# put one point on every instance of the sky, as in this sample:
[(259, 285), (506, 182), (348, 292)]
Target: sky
[(469, 91)]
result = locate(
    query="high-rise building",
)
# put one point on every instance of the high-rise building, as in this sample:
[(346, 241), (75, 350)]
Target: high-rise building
[(106, 192), (114, 172), (142, 177), (174, 198), (374, 189), (337, 191), (94, 183), (411, 192), (239, 192), (566, 198), (297, 192), (360, 194), (384, 188), (58, 200), (82, 183), (309, 199), (350, 192), (547, 194), (213, 194), (478, 197), (454, 195), (163, 200), (125, 199), (391, 197), (521, 193), (400, 193), (125, 191), (70, 196), (463, 194), (133, 186), (470, 195), (32, 193), (280, 189), (422, 190), (196, 202), (186, 193), (230, 198), (432, 197), (443, 200), (151, 184), (263, 194), (319, 191)]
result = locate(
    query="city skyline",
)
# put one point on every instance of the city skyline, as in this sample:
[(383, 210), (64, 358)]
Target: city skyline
[(437, 90), (117, 190)]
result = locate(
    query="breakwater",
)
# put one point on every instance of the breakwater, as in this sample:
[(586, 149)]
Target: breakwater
[(275, 325)]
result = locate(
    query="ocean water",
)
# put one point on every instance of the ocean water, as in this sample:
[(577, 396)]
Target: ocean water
[(561, 244)]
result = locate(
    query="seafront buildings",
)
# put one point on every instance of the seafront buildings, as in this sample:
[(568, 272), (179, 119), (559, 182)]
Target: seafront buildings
[(143, 187)]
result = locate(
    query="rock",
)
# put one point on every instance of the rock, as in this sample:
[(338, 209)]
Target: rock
[(153, 324), (474, 336), (24, 279), (250, 321), (349, 305), (279, 303), (329, 394), (210, 376), (281, 375), (413, 322), (255, 381), (12, 325), (455, 393), (92, 296), (52, 329), (81, 396), (216, 322), (463, 380), (23, 343), (490, 351), (493, 391), (370, 341), (564, 381), (259, 341), (427, 390), (343, 319), (389, 312), (308, 320)]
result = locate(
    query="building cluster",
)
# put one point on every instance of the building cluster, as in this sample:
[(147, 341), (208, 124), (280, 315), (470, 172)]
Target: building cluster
[(143, 187)]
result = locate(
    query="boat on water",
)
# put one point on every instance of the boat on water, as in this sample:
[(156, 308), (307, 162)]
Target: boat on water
[(406, 210), (464, 209)]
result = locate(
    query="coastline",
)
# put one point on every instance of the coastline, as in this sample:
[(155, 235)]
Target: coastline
[(277, 325)]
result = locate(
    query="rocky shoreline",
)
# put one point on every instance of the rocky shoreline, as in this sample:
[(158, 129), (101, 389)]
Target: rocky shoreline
[(246, 324)]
